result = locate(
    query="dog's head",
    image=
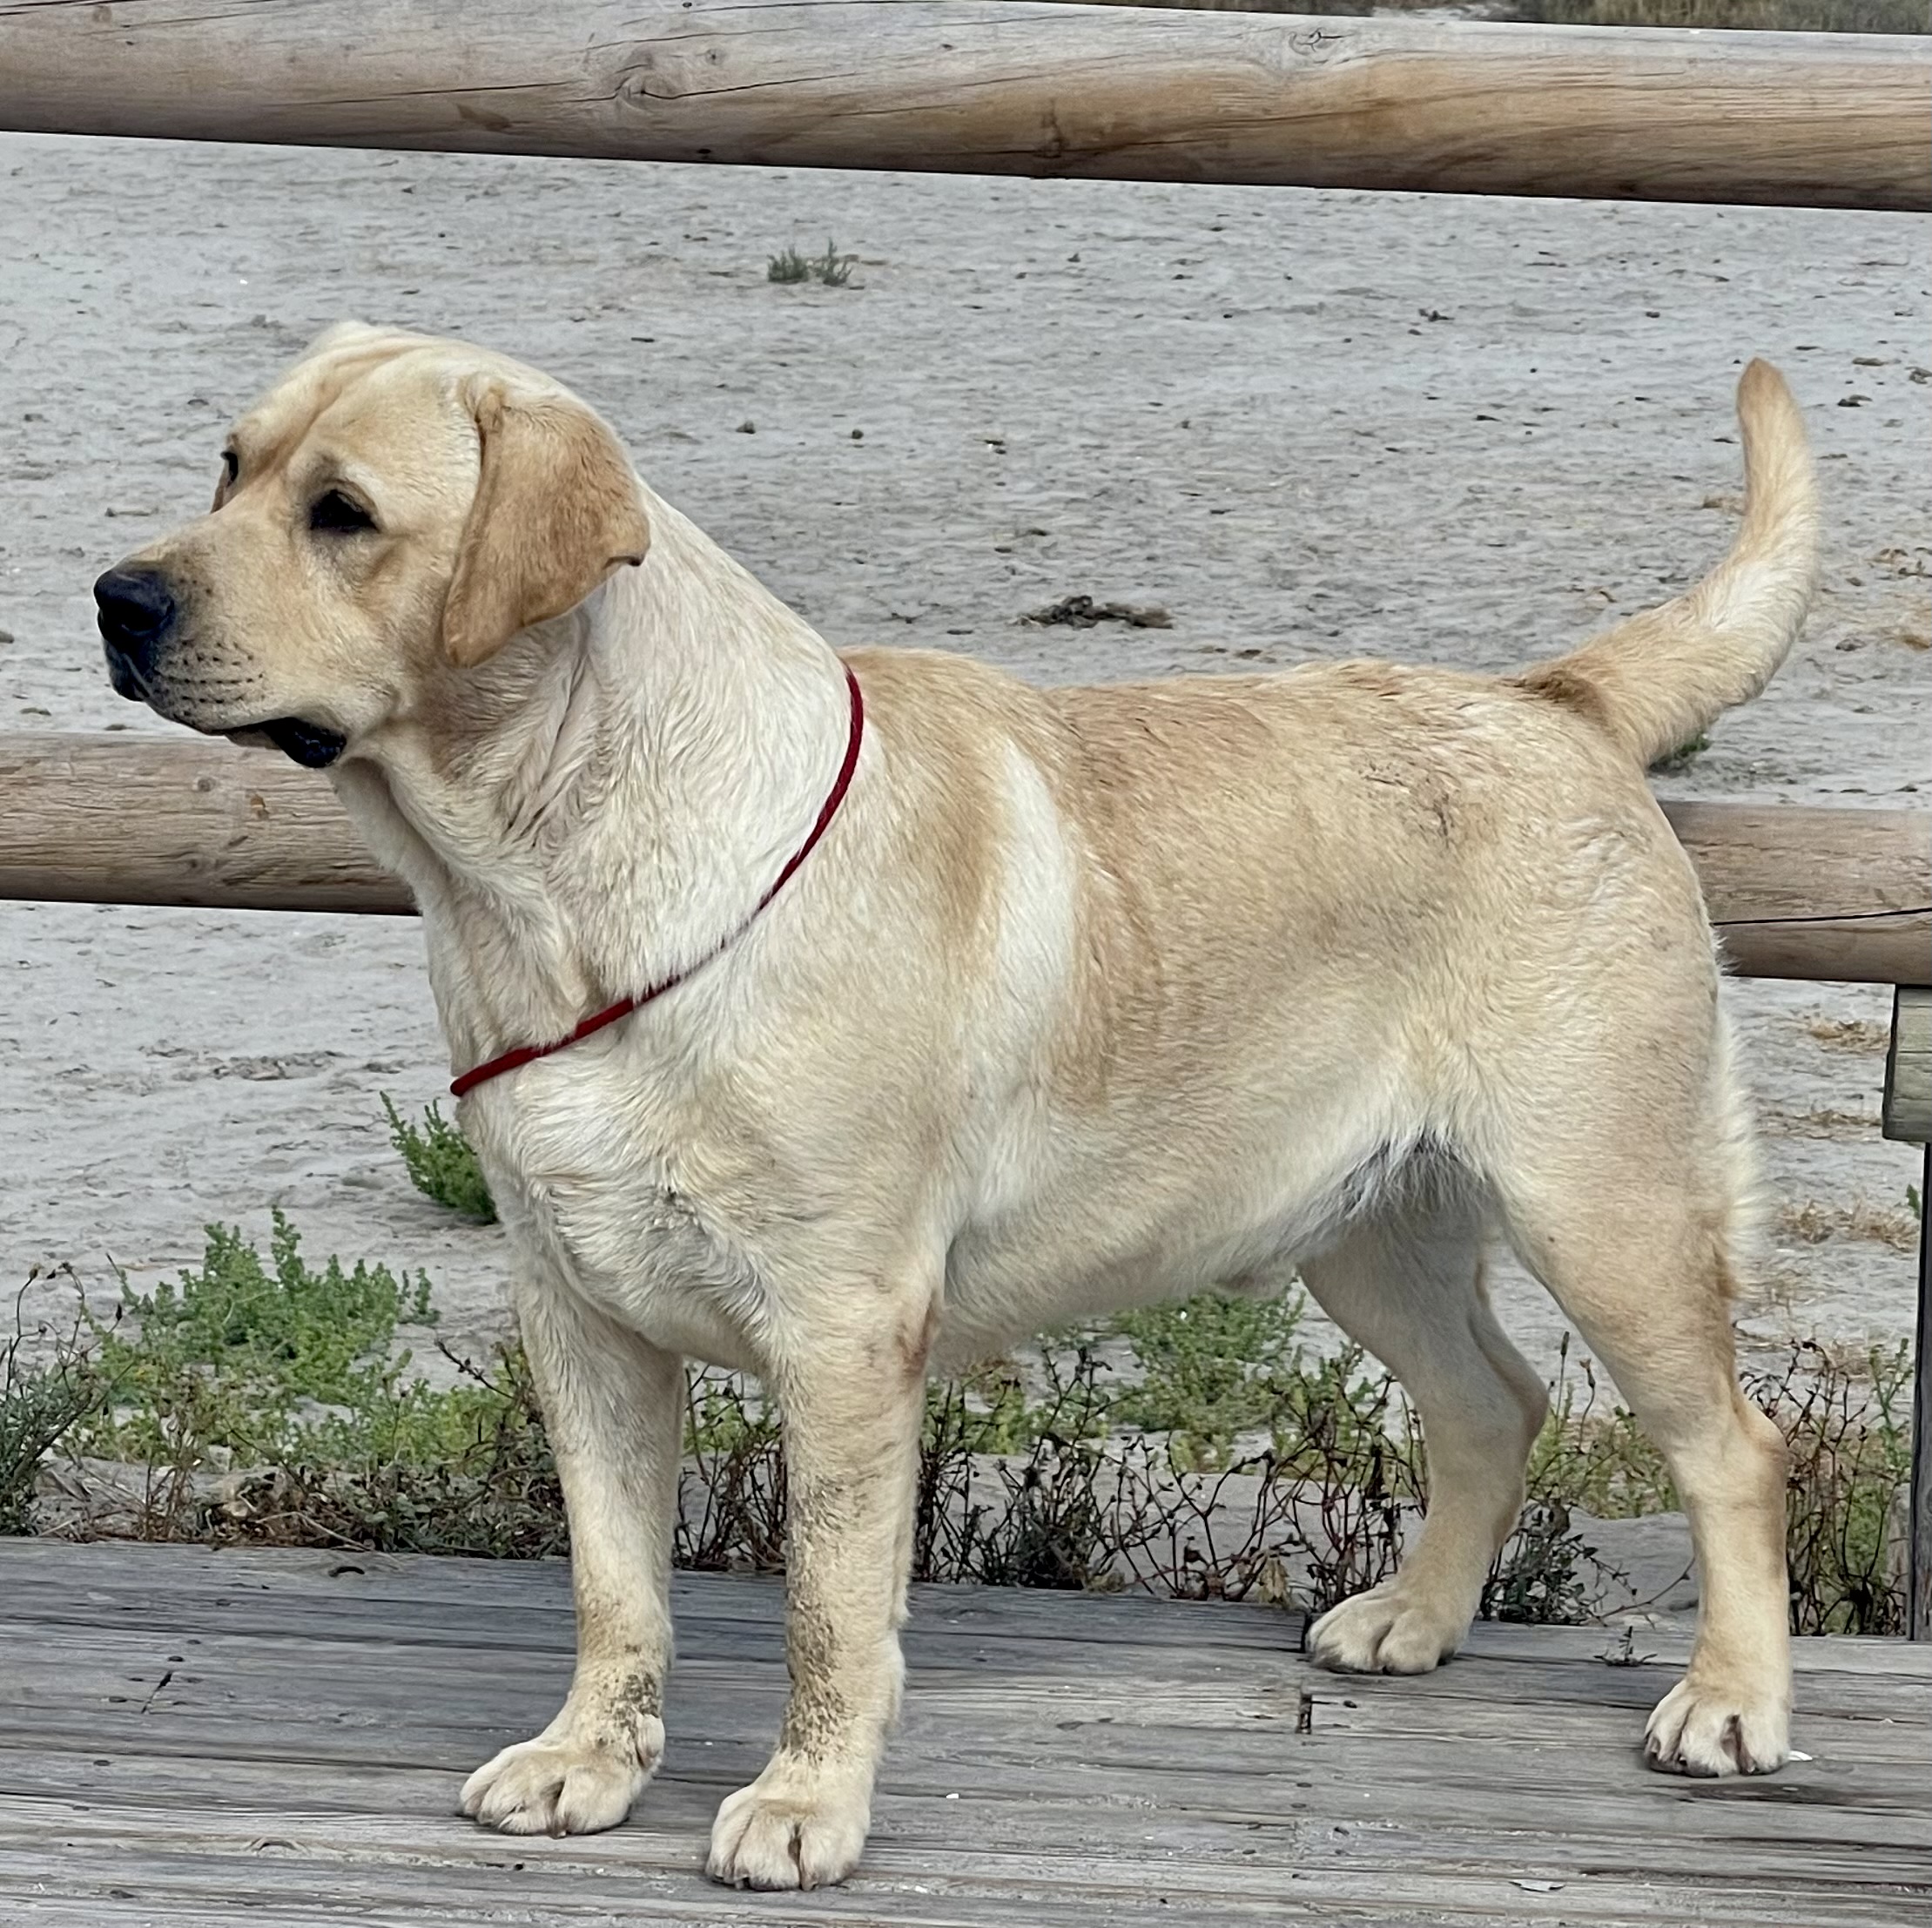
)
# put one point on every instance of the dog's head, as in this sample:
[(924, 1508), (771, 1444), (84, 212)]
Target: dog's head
[(393, 506)]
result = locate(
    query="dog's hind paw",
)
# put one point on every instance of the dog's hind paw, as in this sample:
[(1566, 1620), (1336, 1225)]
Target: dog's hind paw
[(1711, 1732)]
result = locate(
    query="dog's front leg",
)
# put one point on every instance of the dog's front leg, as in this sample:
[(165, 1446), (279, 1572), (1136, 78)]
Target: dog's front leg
[(614, 1409), (852, 1424)]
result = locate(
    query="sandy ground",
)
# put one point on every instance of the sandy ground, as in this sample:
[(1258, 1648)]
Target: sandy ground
[(1457, 431)]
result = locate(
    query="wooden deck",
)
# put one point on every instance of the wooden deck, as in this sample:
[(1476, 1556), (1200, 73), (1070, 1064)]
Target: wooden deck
[(277, 1739)]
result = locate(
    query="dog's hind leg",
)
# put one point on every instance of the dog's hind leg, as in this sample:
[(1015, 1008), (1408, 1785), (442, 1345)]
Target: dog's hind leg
[(1632, 1233), (1408, 1286)]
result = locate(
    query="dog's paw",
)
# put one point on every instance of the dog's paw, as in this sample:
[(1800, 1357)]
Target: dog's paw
[(555, 1784), (792, 1828), (1711, 1732), (1384, 1631)]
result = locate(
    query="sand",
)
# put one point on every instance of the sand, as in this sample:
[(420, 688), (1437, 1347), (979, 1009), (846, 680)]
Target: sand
[(1307, 425)]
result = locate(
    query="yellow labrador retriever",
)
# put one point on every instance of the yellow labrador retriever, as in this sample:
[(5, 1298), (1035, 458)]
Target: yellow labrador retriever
[(917, 1010)]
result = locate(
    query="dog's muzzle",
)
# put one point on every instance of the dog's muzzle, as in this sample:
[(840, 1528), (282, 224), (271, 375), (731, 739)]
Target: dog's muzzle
[(137, 614)]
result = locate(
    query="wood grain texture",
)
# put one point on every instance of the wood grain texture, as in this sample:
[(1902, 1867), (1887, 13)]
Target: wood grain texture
[(112, 819), (1795, 890), (1825, 894), (1006, 87), (187, 1737), (1908, 1110)]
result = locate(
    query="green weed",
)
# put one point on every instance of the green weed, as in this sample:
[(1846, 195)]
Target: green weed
[(1847, 1428), (42, 1403), (260, 1361), (834, 269), (440, 1164), (1211, 1369)]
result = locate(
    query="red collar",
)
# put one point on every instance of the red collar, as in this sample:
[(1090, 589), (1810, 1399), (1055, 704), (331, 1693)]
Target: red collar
[(527, 1053)]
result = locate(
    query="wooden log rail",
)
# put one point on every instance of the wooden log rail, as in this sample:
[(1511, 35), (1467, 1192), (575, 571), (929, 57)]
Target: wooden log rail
[(1005, 87), (1826, 894)]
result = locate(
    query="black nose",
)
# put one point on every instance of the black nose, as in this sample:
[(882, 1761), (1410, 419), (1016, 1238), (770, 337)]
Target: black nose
[(137, 612)]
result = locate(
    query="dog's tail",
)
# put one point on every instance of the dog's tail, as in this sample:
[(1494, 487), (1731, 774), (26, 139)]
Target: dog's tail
[(1659, 680)]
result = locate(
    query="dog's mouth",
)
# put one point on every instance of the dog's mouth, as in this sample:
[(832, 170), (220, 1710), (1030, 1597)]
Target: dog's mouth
[(307, 744)]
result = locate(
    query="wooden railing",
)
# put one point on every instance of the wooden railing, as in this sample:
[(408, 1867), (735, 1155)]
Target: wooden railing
[(1843, 894), (1006, 87)]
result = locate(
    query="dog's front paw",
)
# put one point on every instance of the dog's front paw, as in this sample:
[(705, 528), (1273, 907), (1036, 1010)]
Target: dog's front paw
[(1709, 1731), (796, 1826), (558, 1784), (1384, 1631)]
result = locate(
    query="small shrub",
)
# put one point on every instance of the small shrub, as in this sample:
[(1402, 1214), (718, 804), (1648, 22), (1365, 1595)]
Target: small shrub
[(834, 269), (255, 1364), (1847, 1428), (440, 1164), (1542, 1577), (1210, 1369), (41, 1403), (1595, 1458), (477, 1479)]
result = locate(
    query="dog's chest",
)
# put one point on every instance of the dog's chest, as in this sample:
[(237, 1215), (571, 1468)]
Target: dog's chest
[(600, 1207)]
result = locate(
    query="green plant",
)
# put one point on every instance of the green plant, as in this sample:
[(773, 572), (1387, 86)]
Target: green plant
[(41, 1402), (479, 1480), (1541, 1578), (261, 1362), (833, 268), (1593, 1454), (1211, 1368), (440, 1163), (1847, 1424)]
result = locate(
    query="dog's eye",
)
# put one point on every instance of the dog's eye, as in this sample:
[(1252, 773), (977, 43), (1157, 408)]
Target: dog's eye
[(333, 514)]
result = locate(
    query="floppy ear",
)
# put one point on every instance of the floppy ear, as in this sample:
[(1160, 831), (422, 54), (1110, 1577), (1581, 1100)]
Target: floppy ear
[(557, 509)]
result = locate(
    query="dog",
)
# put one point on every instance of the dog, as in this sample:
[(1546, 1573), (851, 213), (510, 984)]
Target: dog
[(911, 1010)]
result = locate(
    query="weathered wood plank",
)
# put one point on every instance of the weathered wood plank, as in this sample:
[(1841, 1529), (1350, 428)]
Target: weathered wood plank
[(1005, 87), (60, 1581), (1842, 896), (1906, 1113), (1795, 891), (120, 1667), (185, 1736)]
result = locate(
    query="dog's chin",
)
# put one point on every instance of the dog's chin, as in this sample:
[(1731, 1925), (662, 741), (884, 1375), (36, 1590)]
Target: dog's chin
[(307, 744)]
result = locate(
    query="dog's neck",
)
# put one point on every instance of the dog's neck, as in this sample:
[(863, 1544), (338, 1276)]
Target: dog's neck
[(607, 800)]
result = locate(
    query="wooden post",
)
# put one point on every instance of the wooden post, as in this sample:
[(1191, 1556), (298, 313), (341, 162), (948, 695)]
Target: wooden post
[(1006, 87), (1919, 1615), (1907, 1116)]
